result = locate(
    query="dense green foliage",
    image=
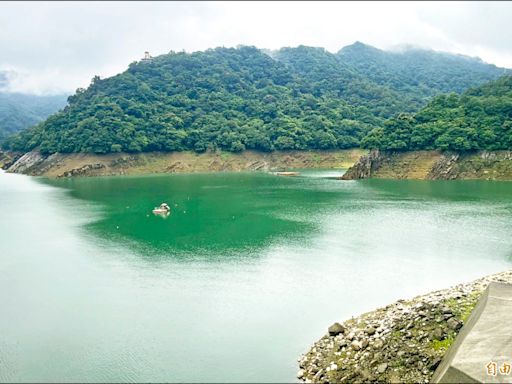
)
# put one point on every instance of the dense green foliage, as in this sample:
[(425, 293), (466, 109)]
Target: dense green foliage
[(386, 83), (233, 99), (19, 111), (420, 71), (224, 98), (480, 118)]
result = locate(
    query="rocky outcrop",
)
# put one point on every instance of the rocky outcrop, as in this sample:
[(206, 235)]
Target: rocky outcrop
[(402, 342), (444, 167), (433, 165), (83, 170), (26, 162), (8, 158), (365, 167)]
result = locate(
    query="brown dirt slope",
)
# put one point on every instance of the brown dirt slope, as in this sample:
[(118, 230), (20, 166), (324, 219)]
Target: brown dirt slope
[(82, 164)]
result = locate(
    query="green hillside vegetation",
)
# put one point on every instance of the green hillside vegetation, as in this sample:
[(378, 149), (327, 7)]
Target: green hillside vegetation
[(232, 99), (386, 83), (480, 118), (419, 71), (19, 111)]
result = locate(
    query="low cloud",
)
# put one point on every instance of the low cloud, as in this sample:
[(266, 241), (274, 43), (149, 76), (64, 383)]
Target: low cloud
[(56, 47)]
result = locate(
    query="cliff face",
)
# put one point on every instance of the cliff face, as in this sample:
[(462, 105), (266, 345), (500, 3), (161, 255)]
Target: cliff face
[(433, 165), (8, 158), (83, 164), (365, 167)]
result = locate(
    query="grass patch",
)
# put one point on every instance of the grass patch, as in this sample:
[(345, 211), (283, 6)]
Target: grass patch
[(395, 335), (463, 310), (443, 345), (225, 155)]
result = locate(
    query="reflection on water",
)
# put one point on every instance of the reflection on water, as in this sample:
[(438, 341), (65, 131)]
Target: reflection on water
[(247, 271), (162, 214), (221, 213)]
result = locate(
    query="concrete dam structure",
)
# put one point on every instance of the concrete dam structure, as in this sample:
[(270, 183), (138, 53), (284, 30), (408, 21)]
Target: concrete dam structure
[(482, 352)]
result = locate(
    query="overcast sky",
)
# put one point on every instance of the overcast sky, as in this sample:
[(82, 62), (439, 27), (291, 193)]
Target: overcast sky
[(51, 47)]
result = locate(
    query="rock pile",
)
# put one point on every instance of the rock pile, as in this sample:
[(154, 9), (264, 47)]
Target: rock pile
[(83, 170), (402, 342)]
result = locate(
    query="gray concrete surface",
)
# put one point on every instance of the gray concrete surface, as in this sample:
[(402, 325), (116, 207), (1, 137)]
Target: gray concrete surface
[(485, 338)]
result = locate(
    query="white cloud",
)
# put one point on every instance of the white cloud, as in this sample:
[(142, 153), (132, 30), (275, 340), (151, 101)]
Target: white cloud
[(59, 46)]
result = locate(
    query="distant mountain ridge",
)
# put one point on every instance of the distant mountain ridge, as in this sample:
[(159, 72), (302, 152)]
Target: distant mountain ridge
[(439, 71), (19, 111), (247, 98), (388, 82)]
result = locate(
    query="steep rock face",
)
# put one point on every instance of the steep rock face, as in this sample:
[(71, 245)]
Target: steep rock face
[(444, 168), (365, 166), (8, 158), (484, 165), (433, 165), (27, 161)]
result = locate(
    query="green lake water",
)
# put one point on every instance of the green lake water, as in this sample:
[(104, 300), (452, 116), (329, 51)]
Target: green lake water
[(243, 276)]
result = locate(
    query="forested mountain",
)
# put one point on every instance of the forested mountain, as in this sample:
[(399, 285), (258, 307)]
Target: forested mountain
[(418, 70), (325, 74), (480, 118), (19, 111), (295, 98), (387, 83)]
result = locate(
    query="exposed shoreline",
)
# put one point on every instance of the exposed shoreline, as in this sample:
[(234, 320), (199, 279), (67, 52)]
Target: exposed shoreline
[(433, 165), (84, 164), (402, 342), (361, 164)]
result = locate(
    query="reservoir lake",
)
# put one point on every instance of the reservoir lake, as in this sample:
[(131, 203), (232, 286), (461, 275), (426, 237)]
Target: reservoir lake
[(243, 276)]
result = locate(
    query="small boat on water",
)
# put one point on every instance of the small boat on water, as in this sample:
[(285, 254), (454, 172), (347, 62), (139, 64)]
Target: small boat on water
[(162, 210), (287, 173)]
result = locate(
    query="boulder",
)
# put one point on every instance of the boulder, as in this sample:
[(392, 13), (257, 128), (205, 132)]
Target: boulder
[(454, 324), (378, 344), (356, 345), (336, 329)]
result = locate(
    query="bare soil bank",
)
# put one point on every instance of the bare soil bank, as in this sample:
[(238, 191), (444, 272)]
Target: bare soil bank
[(84, 164), (433, 165)]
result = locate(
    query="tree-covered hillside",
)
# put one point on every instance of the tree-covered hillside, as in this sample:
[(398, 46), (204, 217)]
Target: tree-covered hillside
[(387, 83), (19, 111), (325, 74), (418, 70), (221, 98), (233, 99), (480, 118)]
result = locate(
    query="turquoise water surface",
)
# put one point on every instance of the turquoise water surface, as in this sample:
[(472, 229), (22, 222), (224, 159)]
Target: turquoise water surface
[(244, 275)]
